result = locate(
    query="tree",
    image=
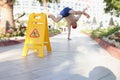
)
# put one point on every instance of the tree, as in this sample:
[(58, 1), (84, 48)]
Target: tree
[(44, 2), (6, 10), (113, 7), (6, 13), (51, 1)]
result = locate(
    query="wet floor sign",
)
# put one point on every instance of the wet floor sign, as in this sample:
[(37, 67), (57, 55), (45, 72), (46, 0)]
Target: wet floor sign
[(37, 35)]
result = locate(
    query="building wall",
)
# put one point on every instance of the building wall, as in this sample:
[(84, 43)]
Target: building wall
[(96, 9)]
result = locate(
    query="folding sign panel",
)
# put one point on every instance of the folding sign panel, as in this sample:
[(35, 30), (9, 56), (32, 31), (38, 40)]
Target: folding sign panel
[(37, 34)]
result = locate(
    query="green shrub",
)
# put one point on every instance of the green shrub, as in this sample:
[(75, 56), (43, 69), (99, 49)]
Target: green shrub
[(54, 31), (101, 32)]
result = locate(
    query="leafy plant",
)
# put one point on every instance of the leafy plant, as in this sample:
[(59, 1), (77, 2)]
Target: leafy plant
[(101, 32), (54, 31)]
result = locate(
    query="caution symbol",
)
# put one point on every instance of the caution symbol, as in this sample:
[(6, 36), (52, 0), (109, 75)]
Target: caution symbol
[(35, 34)]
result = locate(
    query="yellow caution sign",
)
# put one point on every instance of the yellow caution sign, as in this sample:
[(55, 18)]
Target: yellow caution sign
[(37, 34)]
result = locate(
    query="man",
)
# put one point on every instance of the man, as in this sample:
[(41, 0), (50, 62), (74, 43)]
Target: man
[(69, 15)]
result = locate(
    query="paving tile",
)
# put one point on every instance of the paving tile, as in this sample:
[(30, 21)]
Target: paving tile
[(78, 59)]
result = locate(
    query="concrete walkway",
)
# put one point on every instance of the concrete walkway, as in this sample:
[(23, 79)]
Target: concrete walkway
[(78, 59)]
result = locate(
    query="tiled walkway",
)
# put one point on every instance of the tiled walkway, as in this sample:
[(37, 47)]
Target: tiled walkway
[(78, 59)]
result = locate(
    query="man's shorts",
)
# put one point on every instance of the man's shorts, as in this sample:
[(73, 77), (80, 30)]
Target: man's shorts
[(65, 12)]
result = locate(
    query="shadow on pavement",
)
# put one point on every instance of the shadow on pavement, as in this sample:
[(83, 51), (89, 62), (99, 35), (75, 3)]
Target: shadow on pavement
[(101, 73)]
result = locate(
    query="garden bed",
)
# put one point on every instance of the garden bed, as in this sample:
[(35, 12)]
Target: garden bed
[(6, 40), (114, 51), (10, 42), (111, 49), (107, 37), (16, 41)]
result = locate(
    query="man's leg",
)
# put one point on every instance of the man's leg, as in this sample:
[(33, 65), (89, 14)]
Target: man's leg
[(75, 12), (87, 15), (55, 19), (79, 13)]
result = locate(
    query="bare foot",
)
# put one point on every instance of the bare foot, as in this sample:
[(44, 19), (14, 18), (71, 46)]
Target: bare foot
[(49, 15), (87, 15)]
